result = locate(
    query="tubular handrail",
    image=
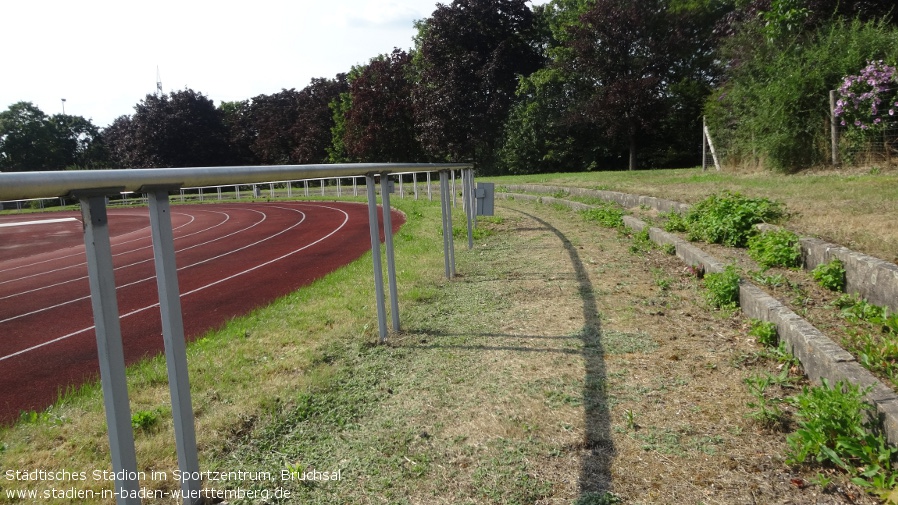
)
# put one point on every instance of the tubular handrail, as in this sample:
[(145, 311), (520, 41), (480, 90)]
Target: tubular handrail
[(25, 185)]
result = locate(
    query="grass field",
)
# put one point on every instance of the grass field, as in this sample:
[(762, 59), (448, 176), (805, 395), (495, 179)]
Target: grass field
[(567, 363)]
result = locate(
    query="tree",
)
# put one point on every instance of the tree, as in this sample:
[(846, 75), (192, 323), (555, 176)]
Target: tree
[(182, 129), (31, 140), (311, 132), (379, 123), (470, 54), (241, 133), (631, 63)]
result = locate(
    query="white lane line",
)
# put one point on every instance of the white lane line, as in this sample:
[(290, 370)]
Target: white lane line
[(227, 218), (42, 221), (137, 311), (38, 311), (81, 253)]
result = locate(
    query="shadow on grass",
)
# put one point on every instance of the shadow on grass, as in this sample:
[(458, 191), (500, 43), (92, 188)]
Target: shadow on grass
[(597, 448)]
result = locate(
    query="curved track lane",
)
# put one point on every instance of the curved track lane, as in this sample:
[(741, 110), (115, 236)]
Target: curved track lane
[(231, 259)]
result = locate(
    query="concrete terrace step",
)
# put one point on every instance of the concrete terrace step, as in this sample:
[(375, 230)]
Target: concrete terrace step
[(871, 278), (820, 356)]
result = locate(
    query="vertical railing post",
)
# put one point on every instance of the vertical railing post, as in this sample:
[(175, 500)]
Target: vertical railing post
[(448, 242), (429, 193), (388, 241), (173, 337), (468, 189), (109, 343), (452, 175), (375, 257)]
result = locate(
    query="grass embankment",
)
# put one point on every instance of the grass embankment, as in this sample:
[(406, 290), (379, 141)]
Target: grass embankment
[(854, 209), (567, 363)]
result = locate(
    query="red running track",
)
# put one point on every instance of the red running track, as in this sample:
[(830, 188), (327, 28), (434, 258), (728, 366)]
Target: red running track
[(231, 259)]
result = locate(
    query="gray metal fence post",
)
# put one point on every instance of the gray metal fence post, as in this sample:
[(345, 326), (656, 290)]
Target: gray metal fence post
[(173, 336), (448, 241), (454, 200), (468, 188), (109, 343), (375, 256), (388, 241)]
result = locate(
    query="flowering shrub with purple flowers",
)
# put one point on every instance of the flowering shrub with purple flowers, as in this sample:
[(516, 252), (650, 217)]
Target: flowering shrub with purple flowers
[(869, 100)]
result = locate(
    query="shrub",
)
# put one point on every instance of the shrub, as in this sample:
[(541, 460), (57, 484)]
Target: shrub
[(777, 248)]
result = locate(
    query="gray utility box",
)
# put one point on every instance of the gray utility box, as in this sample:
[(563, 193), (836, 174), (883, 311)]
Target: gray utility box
[(485, 194)]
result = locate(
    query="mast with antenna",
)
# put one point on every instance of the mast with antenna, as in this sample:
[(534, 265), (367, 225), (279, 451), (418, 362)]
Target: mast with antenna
[(158, 81)]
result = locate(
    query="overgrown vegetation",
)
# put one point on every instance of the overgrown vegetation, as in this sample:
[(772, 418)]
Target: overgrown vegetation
[(873, 336), (834, 430), (726, 218), (830, 275), (606, 214), (723, 288), (773, 109), (776, 248)]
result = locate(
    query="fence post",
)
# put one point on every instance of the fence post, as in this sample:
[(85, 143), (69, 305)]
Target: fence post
[(833, 127), (710, 145), (375, 257), (468, 188), (704, 147), (388, 241), (109, 343), (173, 337), (448, 239)]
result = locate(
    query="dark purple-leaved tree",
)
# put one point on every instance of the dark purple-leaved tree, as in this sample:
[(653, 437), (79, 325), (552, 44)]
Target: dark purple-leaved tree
[(265, 126), (379, 122), (182, 129), (311, 132), (470, 54)]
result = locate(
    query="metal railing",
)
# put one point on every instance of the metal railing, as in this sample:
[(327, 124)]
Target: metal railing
[(92, 190)]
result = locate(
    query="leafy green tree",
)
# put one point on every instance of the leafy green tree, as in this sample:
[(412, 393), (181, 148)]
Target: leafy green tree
[(31, 140), (469, 57)]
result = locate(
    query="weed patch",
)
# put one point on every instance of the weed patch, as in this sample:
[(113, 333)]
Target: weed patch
[(727, 218), (778, 248), (723, 288)]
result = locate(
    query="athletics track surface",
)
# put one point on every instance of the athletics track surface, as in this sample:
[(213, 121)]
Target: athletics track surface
[(231, 259)]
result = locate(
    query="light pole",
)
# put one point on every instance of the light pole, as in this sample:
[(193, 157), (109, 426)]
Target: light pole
[(63, 106)]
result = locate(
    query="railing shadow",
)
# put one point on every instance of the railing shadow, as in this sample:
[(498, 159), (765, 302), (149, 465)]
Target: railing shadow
[(597, 448)]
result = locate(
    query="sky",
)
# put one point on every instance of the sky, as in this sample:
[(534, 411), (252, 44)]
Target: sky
[(102, 56)]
